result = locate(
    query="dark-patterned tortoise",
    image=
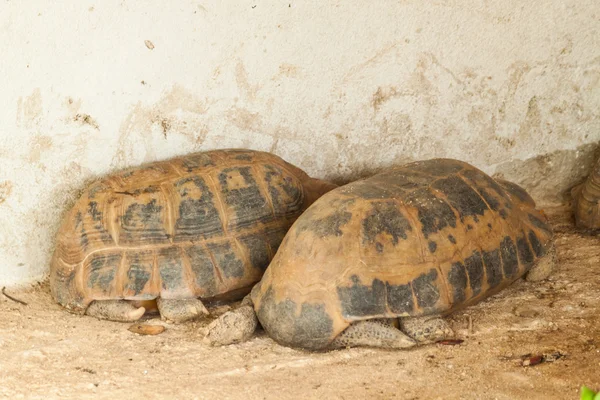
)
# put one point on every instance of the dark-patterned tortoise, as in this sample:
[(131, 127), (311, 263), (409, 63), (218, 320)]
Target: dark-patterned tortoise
[(379, 261)]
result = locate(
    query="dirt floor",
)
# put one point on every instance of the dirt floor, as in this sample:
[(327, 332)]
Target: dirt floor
[(46, 352)]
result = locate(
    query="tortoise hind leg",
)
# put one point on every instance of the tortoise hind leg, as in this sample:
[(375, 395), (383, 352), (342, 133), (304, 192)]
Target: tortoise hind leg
[(234, 326), (373, 333), (543, 266), (180, 310), (426, 329), (115, 310)]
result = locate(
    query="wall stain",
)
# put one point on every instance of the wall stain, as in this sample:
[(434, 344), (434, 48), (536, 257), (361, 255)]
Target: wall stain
[(86, 119), (30, 109), (5, 190), (531, 125), (245, 120), (243, 83), (288, 70), (38, 145), (178, 112)]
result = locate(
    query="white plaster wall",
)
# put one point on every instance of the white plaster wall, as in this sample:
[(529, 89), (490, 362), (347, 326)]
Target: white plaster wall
[(339, 88)]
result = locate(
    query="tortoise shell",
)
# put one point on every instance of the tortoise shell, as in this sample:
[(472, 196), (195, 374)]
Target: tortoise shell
[(201, 225), (425, 238)]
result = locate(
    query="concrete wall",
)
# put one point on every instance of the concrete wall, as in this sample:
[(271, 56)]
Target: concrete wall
[(340, 89)]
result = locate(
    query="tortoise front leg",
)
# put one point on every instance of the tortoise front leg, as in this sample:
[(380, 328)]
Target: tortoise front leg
[(233, 326), (180, 310), (115, 310), (373, 333)]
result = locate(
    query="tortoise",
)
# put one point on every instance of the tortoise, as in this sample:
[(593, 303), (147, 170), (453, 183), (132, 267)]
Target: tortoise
[(400, 249), (587, 200), (174, 233)]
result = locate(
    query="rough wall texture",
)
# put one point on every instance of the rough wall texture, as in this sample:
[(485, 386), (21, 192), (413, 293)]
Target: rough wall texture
[(340, 89)]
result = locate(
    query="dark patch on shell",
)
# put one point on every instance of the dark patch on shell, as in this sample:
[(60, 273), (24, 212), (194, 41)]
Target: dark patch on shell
[(457, 278), (474, 267), (288, 186), (94, 212), (493, 267), (525, 254), (361, 300), (425, 290), (385, 218), (102, 269), (198, 217), (197, 161), (537, 247), (258, 250), (312, 329), (452, 239), (481, 182), (400, 299), (227, 261), (434, 213), (432, 246), (510, 262), (139, 272), (98, 232), (79, 227), (244, 157), (248, 203), (327, 226), (142, 224), (170, 268), (203, 269), (461, 196)]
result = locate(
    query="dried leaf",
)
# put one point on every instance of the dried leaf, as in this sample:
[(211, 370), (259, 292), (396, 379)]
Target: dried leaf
[(146, 329), (531, 361)]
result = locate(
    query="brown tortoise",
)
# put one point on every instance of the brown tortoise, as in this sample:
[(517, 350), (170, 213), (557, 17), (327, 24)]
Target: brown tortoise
[(201, 226), (587, 200), (405, 247)]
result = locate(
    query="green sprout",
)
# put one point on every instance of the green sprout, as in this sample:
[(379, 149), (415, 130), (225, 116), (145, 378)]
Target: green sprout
[(589, 394)]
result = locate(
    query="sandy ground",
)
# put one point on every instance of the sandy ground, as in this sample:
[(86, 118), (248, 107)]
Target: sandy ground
[(47, 353)]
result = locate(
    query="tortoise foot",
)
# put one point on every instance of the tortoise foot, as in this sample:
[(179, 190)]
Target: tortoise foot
[(426, 329), (234, 326), (180, 310), (115, 310), (373, 333), (543, 267)]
